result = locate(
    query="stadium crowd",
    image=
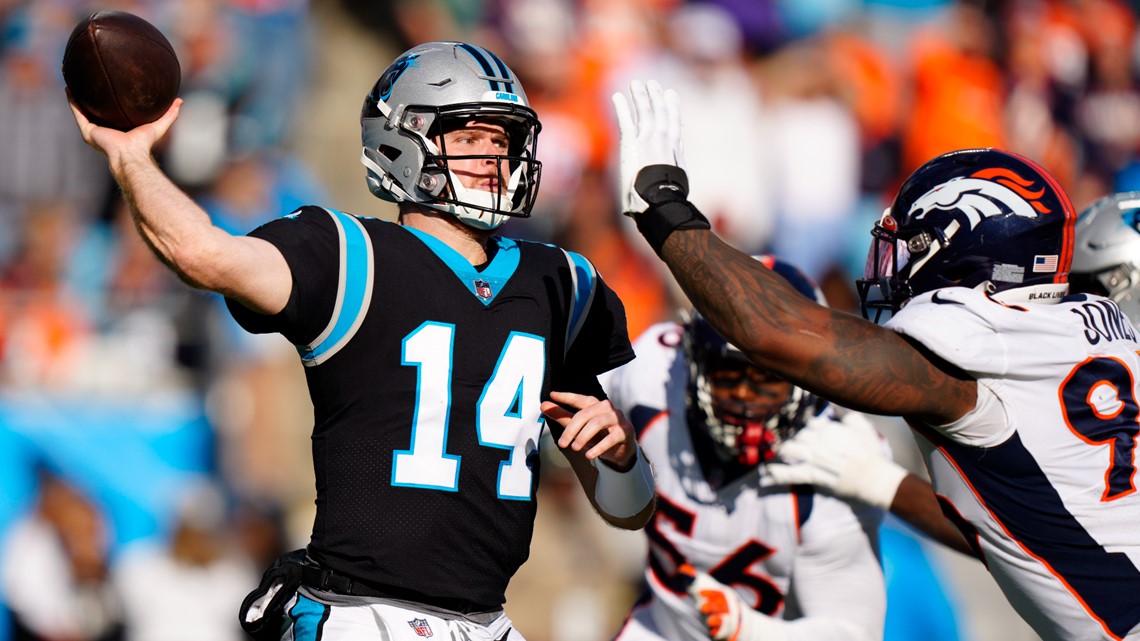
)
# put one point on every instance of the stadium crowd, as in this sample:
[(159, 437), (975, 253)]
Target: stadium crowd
[(148, 446)]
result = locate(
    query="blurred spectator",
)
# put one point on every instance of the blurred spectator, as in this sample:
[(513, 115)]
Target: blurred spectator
[(42, 159), (185, 588), (43, 326), (273, 45), (541, 38), (870, 83), (1107, 114), (1040, 92), (262, 532), (727, 129), (135, 307), (252, 56), (54, 569), (594, 229), (816, 158), (957, 89)]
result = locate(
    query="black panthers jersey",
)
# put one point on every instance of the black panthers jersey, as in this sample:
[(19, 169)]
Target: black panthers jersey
[(426, 376)]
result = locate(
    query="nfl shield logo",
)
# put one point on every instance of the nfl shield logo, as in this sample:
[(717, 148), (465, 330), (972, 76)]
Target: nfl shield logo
[(421, 627), (483, 289)]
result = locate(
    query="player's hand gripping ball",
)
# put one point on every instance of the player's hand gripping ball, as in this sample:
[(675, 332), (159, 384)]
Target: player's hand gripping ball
[(120, 69)]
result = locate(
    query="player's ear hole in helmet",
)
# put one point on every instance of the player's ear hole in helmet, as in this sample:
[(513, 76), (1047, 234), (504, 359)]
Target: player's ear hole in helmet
[(743, 410), (978, 218), (427, 89)]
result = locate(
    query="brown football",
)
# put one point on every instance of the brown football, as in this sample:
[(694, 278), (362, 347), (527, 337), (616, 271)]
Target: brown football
[(121, 70)]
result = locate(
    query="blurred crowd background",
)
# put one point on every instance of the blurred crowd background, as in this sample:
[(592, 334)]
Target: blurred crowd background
[(154, 458)]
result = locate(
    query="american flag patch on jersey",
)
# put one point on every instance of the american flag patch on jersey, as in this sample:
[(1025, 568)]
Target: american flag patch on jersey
[(421, 627), (1045, 263)]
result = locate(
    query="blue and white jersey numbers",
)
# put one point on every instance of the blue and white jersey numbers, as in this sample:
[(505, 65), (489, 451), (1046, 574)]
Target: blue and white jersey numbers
[(507, 413)]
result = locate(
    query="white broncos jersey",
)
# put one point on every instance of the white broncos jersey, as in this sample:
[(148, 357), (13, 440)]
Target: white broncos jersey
[(790, 552), (1044, 470)]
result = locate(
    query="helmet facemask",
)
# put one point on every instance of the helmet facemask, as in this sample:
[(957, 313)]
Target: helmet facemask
[(895, 261), (743, 428), (1106, 260)]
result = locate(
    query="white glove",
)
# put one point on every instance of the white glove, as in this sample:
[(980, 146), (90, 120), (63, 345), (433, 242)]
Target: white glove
[(726, 615), (845, 457), (650, 135)]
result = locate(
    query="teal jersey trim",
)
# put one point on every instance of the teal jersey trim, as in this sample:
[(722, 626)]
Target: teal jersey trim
[(585, 284), (484, 285), (354, 290)]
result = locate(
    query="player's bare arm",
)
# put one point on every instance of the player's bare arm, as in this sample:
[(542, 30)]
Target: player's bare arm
[(854, 363), (597, 431), (916, 503), (179, 232), (848, 360)]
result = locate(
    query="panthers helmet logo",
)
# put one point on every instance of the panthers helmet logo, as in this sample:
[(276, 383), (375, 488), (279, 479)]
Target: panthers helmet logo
[(392, 74)]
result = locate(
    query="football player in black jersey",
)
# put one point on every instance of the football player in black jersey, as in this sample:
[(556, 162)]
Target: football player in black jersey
[(432, 348)]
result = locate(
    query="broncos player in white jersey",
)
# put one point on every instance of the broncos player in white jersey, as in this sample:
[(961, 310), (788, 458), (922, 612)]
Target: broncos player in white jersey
[(806, 563), (1022, 398)]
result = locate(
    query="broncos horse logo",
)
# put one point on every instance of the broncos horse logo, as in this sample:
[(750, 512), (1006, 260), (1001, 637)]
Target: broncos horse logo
[(989, 192)]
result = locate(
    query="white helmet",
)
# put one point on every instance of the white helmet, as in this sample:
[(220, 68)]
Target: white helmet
[(441, 82), (1106, 256)]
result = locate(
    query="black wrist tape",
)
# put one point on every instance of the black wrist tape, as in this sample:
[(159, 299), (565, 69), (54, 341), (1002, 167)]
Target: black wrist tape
[(666, 189)]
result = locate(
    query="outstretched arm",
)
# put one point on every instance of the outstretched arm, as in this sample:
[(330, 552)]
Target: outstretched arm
[(178, 231), (916, 503), (839, 356), (844, 358)]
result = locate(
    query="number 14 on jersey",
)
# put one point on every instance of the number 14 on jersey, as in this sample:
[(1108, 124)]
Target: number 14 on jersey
[(507, 416)]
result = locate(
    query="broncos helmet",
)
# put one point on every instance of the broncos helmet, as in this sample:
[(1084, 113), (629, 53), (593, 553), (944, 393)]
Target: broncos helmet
[(979, 218), (742, 432), (426, 88), (1106, 260)]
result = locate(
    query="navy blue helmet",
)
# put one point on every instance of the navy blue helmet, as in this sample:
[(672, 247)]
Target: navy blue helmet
[(978, 218), (743, 431)]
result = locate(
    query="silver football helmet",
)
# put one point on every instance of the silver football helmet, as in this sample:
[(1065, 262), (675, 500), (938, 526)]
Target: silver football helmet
[(1106, 259), (427, 88)]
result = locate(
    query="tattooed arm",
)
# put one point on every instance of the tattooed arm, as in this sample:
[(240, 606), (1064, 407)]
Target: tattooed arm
[(847, 359), (844, 358)]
